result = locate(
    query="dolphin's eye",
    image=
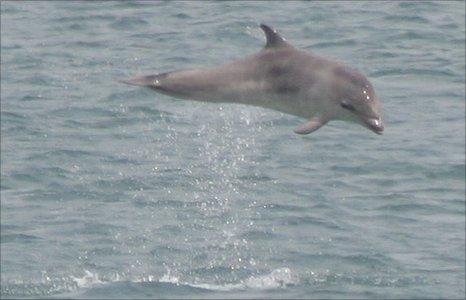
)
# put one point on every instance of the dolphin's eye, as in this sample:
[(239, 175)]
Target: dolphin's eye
[(347, 106)]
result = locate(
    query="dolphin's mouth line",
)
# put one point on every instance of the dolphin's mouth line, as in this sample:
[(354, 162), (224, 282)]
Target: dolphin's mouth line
[(374, 124)]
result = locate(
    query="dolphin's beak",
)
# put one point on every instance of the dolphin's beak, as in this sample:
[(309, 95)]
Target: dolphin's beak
[(375, 124)]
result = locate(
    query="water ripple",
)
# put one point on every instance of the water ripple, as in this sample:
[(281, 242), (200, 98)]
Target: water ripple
[(115, 191)]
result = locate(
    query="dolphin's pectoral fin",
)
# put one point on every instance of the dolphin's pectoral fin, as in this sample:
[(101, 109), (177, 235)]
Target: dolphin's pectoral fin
[(311, 126), (273, 38)]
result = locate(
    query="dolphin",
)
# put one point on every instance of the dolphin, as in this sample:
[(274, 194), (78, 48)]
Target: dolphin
[(283, 78)]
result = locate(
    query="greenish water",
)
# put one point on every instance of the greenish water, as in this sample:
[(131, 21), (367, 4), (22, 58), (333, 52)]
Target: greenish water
[(114, 191)]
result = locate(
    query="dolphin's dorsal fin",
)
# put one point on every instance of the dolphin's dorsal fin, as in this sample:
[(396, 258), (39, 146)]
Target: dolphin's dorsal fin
[(274, 40)]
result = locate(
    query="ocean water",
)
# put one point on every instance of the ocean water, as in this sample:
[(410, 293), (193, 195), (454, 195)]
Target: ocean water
[(109, 190)]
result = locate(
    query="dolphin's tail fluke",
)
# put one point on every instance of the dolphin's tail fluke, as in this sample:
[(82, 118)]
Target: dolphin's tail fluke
[(147, 80), (162, 83)]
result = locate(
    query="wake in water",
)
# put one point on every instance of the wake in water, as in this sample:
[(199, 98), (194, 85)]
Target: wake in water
[(91, 283)]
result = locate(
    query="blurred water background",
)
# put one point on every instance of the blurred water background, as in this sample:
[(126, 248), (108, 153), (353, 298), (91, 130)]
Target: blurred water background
[(109, 190)]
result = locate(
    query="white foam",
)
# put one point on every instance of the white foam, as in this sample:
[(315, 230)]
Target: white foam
[(279, 278), (88, 280), (276, 279), (169, 279)]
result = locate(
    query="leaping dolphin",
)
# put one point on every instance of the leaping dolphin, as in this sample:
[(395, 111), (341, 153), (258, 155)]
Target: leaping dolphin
[(283, 78)]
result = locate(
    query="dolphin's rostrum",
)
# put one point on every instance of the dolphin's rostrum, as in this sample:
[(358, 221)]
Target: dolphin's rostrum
[(282, 78)]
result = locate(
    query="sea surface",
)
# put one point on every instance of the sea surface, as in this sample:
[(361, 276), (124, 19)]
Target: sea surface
[(109, 190)]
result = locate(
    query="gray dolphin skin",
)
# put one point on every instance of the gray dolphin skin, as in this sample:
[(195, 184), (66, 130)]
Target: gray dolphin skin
[(283, 78)]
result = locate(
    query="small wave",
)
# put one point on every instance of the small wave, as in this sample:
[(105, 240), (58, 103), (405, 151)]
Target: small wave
[(157, 36), (66, 153), (413, 71), (406, 18), (338, 43), (309, 220), (127, 23), (89, 44), (259, 235), (22, 238), (182, 16), (418, 6), (50, 285), (83, 18), (136, 4), (72, 112), (32, 97), (11, 47), (364, 280), (42, 80)]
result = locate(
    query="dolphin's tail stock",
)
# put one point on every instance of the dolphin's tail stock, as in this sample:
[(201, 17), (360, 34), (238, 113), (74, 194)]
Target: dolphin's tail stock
[(185, 84)]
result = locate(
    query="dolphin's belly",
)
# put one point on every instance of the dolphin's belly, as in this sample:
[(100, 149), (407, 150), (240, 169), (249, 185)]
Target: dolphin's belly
[(256, 94), (294, 104)]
